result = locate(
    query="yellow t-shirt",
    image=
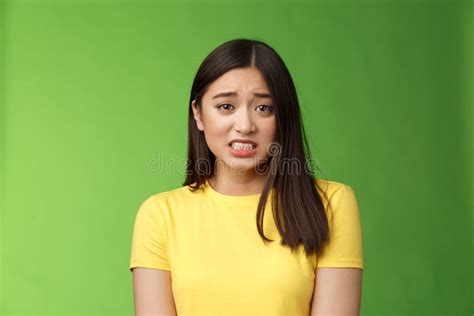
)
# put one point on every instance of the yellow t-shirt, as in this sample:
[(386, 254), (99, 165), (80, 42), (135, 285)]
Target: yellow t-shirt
[(218, 262)]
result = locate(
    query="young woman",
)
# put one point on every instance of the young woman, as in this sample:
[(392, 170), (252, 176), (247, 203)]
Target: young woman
[(251, 231)]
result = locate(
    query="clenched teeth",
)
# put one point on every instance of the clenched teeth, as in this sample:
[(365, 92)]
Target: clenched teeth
[(237, 146)]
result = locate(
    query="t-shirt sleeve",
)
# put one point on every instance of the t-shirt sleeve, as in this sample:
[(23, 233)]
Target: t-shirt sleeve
[(344, 248), (149, 238)]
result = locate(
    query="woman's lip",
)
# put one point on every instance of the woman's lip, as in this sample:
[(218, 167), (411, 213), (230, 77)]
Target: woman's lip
[(253, 144), (242, 153)]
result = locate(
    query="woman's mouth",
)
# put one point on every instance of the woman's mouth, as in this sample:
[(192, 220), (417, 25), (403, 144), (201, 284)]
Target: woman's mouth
[(242, 150)]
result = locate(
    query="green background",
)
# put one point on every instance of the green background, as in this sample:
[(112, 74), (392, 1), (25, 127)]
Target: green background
[(93, 99)]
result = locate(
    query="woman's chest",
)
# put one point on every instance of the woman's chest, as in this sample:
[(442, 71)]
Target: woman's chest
[(221, 255)]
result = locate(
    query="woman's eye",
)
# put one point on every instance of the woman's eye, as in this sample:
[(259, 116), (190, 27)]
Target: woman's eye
[(225, 106), (263, 106)]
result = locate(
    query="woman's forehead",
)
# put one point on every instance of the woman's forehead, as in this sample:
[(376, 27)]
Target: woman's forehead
[(238, 83)]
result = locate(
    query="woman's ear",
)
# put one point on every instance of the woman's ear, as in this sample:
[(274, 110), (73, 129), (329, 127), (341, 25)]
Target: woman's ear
[(197, 115)]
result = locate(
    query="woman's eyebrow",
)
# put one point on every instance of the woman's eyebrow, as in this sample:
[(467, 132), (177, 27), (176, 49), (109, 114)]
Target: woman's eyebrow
[(233, 94)]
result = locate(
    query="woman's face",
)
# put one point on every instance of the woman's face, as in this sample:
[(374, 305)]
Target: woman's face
[(237, 105)]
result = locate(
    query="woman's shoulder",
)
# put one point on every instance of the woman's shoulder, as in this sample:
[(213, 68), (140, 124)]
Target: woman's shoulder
[(340, 195), (165, 201), (335, 191), (330, 186), (179, 193)]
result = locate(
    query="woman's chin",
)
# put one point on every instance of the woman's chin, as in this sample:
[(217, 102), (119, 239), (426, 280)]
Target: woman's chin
[(242, 166)]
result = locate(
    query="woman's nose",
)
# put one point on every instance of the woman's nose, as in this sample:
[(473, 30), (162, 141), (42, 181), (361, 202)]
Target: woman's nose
[(244, 122)]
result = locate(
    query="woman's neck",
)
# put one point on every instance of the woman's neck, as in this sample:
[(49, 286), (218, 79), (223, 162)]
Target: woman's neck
[(234, 184)]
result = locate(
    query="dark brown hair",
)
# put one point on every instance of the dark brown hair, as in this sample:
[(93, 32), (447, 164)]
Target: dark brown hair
[(298, 209)]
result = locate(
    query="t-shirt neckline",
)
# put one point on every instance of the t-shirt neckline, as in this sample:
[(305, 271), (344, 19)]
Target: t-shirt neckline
[(230, 198)]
